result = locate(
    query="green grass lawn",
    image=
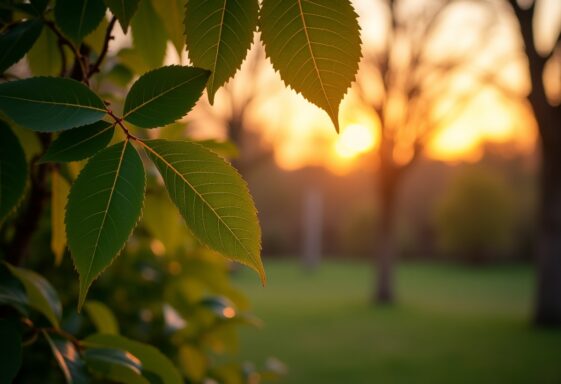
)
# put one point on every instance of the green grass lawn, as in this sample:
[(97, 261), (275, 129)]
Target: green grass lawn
[(452, 325)]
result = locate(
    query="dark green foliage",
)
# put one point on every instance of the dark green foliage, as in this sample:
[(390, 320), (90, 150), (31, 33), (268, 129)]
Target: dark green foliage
[(10, 349), (99, 220), (78, 18), (164, 95), (13, 170), (219, 34), (80, 143), (49, 104), (15, 42)]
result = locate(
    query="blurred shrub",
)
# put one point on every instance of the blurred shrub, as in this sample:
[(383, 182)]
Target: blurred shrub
[(475, 219)]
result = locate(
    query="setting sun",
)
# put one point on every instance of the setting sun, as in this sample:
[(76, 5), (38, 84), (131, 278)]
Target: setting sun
[(354, 140)]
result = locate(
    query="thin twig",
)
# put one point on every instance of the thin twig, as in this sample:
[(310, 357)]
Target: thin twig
[(108, 37), (64, 41)]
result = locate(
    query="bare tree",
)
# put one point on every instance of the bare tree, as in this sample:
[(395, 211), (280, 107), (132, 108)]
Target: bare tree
[(406, 86), (234, 106), (548, 117)]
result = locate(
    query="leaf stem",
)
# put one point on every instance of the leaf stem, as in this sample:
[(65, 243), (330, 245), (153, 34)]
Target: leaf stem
[(119, 122)]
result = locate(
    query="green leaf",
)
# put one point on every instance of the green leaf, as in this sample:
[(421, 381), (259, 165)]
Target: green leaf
[(123, 11), (193, 362), (80, 143), (49, 104), (59, 196), (164, 95), (10, 349), (100, 219), (44, 58), (212, 198), (219, 33), (13, 171), (40, 294), (68, 359), (19, 39), (153, 361), (96, 39), (149, 35), (12, 291), (162, 220), (115, 365), (315, 46), (102, 317), (77, 18), (172, 12)]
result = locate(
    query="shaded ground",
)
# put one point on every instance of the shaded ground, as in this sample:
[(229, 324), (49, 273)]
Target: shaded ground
[(452, 325)]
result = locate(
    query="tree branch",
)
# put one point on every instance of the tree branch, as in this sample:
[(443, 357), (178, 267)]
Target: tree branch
[(108, 37)]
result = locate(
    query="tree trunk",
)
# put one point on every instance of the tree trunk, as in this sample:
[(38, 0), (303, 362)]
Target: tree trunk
[(386, 255), (548, 300)]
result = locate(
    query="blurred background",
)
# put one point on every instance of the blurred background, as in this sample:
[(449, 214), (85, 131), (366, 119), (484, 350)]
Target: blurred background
[(401, 249)]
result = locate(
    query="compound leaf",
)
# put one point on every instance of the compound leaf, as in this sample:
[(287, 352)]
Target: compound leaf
[(100, 219), (49, 104), (212, 198), (315, 46), (164, 95), (219, 34), (13, 170), (19, 39)]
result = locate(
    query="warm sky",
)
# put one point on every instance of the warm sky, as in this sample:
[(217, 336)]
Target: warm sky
[(302, 134)]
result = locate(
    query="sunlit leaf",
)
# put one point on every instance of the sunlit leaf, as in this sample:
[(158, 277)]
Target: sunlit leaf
[(172, 12), (115, 365), (44, 57), (102, 317), (162, 220), (164, 95), (154, 363), (77, 18), (149, 35), (315, 46), (100, 219), (212, 198), (123, 10), (13, 171), (219, 34), (96, 38), (68, 359), (10, 349), (193, 363), (17, 40), (48, 104), (80, 143), (59, 196), (40, 294)]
